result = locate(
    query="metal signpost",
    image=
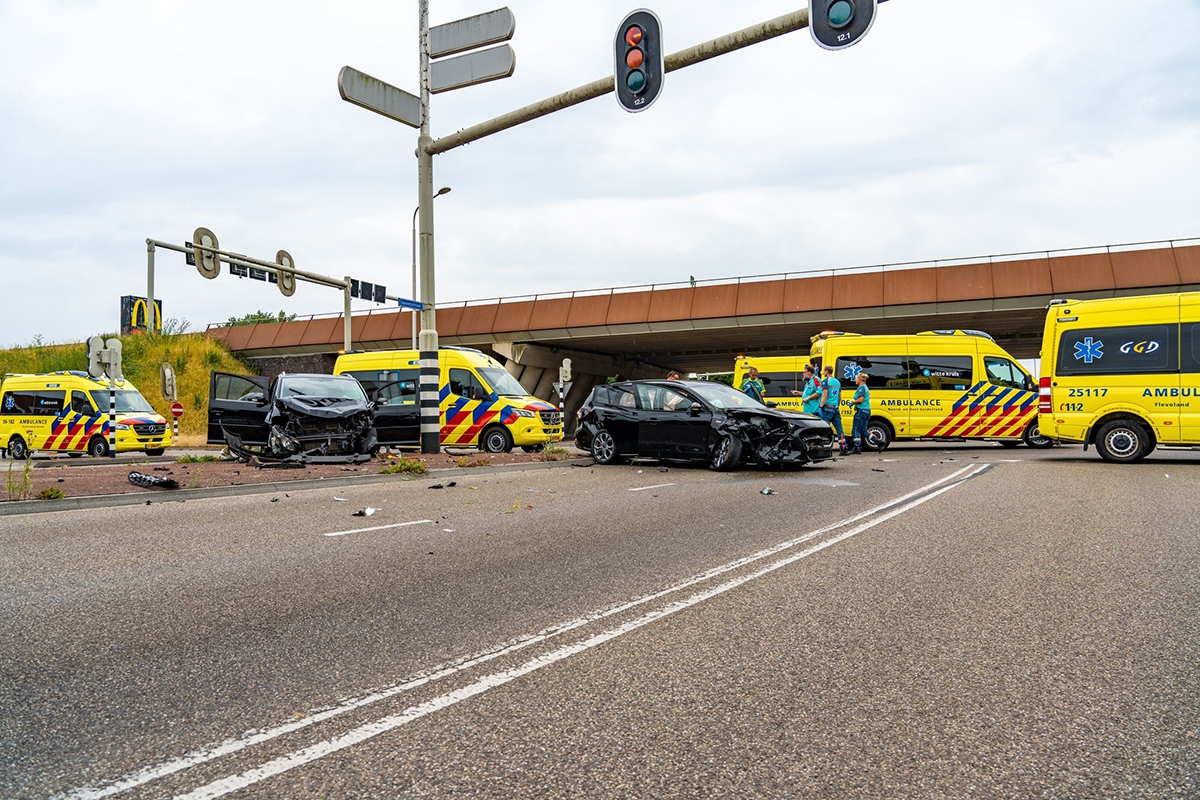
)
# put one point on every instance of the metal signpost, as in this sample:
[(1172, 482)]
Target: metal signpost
[(562, 386), (167, 377), (204, 253), (104, 358)]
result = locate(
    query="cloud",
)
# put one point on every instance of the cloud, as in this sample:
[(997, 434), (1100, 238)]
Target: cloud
[(954, 129)]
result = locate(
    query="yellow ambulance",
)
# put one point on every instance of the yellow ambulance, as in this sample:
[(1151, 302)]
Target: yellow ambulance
[(481, 403), (67, 412), (1122, 374), (934, 385)]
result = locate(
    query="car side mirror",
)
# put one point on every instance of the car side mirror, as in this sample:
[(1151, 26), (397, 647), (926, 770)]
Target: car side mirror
[(695, 409)]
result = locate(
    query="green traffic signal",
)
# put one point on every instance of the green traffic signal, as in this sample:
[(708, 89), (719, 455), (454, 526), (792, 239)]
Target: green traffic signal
[(840, 14), (636, 81)]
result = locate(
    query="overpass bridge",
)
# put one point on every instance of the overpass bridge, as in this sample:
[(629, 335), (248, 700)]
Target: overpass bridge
[(642, 331)]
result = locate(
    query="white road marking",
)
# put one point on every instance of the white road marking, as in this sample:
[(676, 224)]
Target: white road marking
[(320, 750), (381, 527), (230, 746), (655, 486)]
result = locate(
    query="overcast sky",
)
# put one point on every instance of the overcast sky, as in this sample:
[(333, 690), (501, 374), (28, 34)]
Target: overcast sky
[(953, 129)]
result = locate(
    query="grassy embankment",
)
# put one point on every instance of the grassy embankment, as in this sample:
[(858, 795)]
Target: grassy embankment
[(193, 356)]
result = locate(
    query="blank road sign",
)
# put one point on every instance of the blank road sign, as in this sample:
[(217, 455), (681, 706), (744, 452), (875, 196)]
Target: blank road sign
[(382, 98), (472, 68), (467, 34)]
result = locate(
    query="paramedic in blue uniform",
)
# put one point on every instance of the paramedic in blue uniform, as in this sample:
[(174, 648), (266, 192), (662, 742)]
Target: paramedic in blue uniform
[(831, 397), (862, 412)]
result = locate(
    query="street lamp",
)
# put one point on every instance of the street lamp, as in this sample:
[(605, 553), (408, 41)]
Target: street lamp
[(439, 193)]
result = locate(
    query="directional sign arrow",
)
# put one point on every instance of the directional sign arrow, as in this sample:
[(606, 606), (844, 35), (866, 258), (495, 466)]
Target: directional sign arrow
[(382, 98)]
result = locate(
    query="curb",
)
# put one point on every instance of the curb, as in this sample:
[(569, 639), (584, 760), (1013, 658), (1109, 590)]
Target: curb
[(20, 507)]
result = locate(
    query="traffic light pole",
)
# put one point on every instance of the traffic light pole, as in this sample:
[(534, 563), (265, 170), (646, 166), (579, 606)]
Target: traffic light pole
[(728, 43)]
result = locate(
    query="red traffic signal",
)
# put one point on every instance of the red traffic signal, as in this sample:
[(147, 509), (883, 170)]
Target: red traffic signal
[(638, 60)]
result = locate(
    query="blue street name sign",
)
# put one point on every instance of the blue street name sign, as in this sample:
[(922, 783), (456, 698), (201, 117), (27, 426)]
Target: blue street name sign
[(413, 304)]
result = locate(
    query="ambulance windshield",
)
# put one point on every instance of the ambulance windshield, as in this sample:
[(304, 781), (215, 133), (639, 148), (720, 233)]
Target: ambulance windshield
[(503, 383), (127, 402)]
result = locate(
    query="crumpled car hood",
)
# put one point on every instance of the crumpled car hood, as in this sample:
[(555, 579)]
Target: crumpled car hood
[(318, 407)]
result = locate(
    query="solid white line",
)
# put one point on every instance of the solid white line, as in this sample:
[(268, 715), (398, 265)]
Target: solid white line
[(320, 750), (229, 746), (644, 488), (380, 527)]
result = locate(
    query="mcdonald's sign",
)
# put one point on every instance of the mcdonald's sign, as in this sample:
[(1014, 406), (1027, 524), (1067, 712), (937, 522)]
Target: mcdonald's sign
[(133, 315)]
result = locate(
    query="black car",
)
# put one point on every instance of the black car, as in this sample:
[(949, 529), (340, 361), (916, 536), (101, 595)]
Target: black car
[(297, 418), (696, 421)]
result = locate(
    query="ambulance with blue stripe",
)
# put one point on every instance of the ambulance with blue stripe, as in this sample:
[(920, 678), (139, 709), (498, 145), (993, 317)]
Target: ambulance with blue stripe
[(482, 405), (941, 385), (67, 412)]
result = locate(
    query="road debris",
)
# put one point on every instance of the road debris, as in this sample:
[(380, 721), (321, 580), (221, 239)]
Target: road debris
[(365, 512), (768, 490), (152, 481), (342, 499)]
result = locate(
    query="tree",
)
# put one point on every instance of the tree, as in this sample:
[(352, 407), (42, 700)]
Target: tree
[(261, 316)]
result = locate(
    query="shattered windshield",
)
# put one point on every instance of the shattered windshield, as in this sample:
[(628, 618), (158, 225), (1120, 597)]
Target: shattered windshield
[(320, 386)]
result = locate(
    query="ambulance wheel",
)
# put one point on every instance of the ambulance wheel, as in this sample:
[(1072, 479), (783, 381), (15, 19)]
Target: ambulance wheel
[(155, 451), (17, 448), (1123, 441), (98, 447), (495, 440), (879, 435), (1034, 439)]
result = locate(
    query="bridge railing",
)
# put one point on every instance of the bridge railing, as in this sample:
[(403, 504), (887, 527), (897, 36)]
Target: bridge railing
[(776, 276)]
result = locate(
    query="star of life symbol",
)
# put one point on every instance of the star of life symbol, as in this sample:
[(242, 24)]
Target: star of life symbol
[(1089, 350), (851, 371), (9, 402)]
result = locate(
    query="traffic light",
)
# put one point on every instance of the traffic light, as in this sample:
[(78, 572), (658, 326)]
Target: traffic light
[(837, 24), (638, 60)]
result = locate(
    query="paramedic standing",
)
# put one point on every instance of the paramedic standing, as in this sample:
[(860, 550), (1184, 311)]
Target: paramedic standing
[(810, 398), (752, 386), (831, 397), (862, 412)]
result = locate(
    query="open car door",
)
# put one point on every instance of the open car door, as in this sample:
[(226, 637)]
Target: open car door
[(238, 403), (397, 414)]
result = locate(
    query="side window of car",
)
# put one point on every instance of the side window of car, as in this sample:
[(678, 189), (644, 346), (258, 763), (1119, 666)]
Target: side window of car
[(1003, 372), (235, 387), (650, 397), (675, 401), (464, 384), (80, 404)]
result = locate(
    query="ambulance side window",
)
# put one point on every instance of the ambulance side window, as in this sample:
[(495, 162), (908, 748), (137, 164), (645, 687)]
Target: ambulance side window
[(464, 384), (1003, 372), (778, 384), (17, 403), (1189, 350), (80, 404), (38, 403), (939, 373), (883, 372)]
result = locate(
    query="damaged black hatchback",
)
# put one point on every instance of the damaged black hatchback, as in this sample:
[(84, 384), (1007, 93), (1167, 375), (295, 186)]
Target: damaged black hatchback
[(295, 418), (696, 421)]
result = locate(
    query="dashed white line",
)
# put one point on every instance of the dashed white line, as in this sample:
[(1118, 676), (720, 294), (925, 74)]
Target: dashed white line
[(382, 527), (655, 486)]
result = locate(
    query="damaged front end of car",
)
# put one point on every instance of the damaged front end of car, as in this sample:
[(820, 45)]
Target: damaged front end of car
[(777, 439), (313, 430)]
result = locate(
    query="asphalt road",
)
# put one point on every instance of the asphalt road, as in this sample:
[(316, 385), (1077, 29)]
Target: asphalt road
[(935, 621)]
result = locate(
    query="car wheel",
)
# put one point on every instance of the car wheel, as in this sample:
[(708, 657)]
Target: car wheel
[(604, 448), (17, 448), (495, 440), (726, 454), (155, 451), (879, 435), (1123, 441), (533, 448), (98, 447), (1034, 439)]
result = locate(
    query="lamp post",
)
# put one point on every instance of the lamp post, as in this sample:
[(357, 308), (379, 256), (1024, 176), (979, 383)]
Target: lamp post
[(439, 193)]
